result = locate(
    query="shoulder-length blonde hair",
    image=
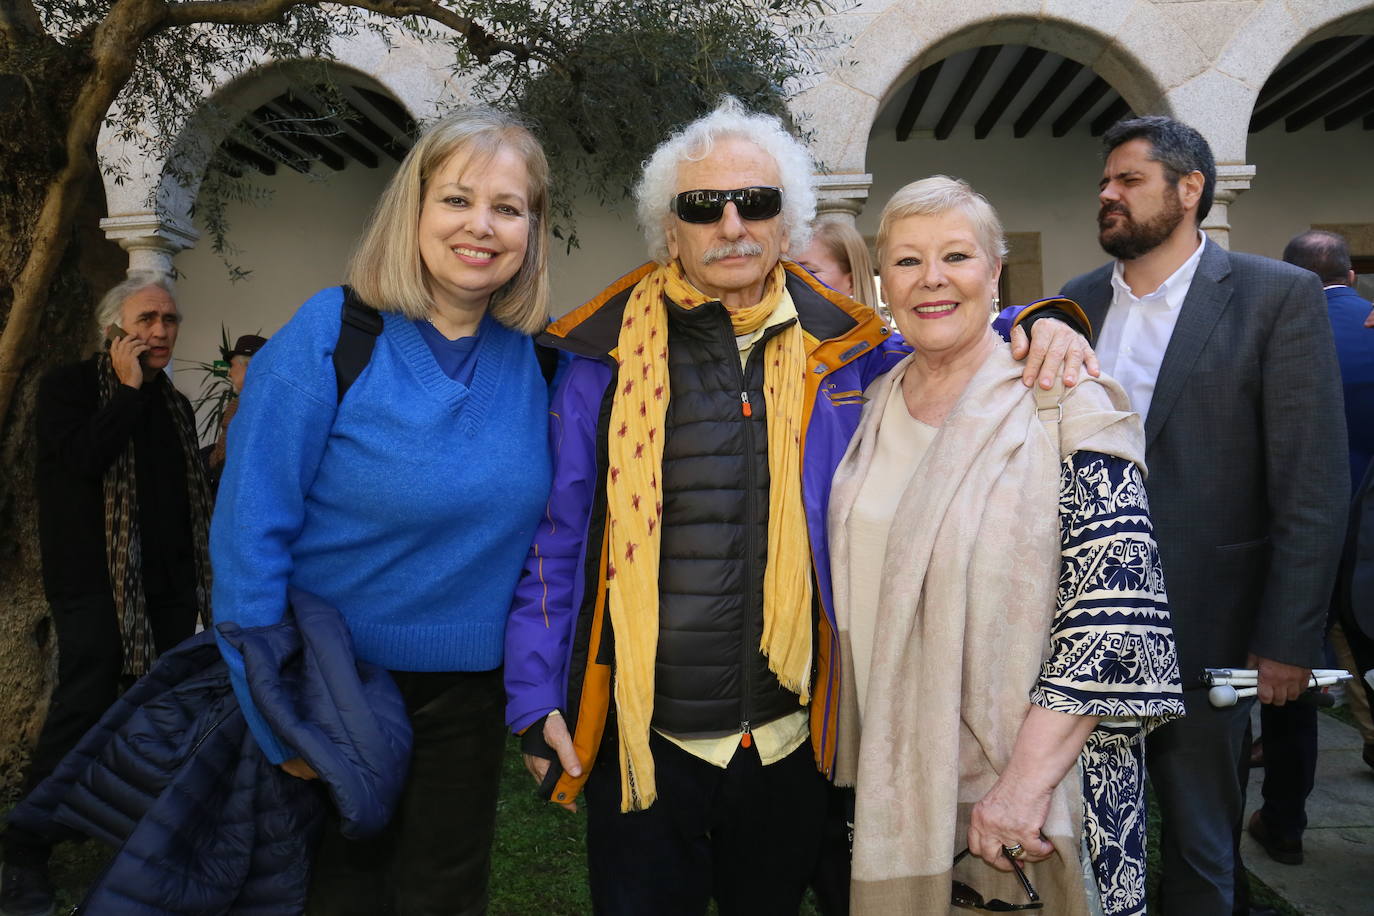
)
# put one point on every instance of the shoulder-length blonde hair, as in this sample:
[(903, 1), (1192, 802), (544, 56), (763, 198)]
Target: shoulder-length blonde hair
[(386, 269), (843, 243)]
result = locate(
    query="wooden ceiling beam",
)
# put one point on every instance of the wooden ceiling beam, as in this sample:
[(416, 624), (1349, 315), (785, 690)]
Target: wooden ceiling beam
[(288, 127), (1356, 61), (1303, 66), (1058, 82), (267, 138), (1016, 81), (1332, 101), (334, 127), (1080, 106), (242, 154), (967, 88), (394, 140), (1358, 108), (1109, 116), (920, 92)]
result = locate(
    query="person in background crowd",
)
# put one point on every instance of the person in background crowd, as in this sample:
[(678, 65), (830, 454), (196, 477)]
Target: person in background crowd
[(239, 358), (1289, 733), (408, 502), (1229, 359), (684, 543), (838, 257), (123, 516), (1032, 573)]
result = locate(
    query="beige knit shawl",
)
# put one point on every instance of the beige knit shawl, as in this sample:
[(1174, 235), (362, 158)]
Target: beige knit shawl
[(966, 605)]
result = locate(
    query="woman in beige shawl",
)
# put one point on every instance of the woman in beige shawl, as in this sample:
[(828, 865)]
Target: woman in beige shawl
[(1002, 614)]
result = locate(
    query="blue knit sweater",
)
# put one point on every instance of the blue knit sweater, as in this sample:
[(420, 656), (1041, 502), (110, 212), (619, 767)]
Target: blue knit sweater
[(409, 507)]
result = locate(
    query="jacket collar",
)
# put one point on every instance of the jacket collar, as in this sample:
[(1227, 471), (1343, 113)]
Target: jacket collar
[(593, 330)]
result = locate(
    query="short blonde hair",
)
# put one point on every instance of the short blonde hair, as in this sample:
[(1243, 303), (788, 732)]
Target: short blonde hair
[(940, 194), (844, 243), (386, 269)]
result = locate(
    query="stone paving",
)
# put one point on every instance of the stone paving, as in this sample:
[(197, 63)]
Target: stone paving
[(1337, 874)]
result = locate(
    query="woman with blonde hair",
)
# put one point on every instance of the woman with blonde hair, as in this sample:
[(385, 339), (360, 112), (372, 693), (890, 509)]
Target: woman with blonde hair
[(838, 257), (397, 473), (1002, 615)]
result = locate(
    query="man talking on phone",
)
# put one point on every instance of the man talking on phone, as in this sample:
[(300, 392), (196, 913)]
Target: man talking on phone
[(123, 514)]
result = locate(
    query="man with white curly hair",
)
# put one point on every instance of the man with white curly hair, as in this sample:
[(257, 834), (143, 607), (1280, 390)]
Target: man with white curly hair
[(123, 523), (669, 650)]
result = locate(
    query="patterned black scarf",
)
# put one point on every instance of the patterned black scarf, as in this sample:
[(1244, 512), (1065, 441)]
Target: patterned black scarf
[(123, 544)]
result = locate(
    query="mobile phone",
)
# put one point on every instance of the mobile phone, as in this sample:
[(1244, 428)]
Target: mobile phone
[(115, 332)]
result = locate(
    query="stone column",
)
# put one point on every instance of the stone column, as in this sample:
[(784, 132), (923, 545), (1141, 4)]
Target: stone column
[(842, 194), (151, 240), (1231, 180)]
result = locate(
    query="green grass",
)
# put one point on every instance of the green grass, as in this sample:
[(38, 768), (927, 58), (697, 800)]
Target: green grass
[(539, 858)]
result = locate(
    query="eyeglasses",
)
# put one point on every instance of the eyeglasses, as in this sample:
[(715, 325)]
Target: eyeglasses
[(707, 206), (966, 898)]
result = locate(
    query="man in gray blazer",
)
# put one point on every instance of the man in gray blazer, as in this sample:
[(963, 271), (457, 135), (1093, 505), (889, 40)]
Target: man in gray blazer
[(1230, 360)]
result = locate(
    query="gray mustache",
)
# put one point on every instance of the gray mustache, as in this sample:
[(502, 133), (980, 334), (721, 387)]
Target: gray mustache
[(732, 250)]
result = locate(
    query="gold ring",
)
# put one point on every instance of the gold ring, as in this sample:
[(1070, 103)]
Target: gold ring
[(1014, 852)]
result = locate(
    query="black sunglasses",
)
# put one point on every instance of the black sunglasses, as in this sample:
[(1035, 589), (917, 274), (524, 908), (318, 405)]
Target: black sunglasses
[(706, 206), (966, 898)]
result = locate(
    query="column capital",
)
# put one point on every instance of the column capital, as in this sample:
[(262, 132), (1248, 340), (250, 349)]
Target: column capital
[(844, 192), (1232, 179), (151, 239)]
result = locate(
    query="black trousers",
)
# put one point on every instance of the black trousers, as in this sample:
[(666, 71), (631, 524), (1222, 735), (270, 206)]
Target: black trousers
[(434, 858), (747, 835), (1290, 766), (89, 660), (1194, 765)]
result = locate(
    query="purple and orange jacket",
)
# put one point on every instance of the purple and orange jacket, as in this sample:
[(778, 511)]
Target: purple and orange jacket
[(558, 641)]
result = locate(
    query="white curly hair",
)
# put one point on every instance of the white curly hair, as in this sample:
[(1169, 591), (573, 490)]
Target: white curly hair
[(658, 184)]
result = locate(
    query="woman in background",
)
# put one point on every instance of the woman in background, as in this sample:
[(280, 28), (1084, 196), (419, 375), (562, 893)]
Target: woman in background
[(838, 257)]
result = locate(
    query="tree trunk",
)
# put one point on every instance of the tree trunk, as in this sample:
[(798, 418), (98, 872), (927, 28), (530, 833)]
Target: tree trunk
[(35, 94)]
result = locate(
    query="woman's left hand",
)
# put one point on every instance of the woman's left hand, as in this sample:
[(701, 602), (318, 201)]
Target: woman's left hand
[(1011, 813)]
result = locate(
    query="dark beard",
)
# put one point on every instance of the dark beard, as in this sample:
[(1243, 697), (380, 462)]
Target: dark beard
[(1129, 240)]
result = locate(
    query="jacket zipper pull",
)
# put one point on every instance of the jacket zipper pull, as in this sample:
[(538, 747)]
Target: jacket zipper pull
[(748, 412), (746, 738)]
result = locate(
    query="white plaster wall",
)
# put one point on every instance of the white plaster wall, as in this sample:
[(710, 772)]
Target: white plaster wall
[(1050, 186), (298, 241), (295, 243), (1037, 185), (1302, 178)]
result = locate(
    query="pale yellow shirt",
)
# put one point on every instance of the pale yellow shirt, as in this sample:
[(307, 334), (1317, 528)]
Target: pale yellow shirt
[(776, 739), (901, 445)]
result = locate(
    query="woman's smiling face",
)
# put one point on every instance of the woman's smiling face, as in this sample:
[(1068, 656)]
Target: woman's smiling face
[(474, 227), (938, 281)]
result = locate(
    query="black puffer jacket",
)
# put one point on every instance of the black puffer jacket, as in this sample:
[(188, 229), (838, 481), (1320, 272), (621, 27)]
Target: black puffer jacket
[(710, 675)]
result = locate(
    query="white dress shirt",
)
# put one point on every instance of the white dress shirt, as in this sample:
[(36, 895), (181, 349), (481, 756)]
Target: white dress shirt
[(1137, 330)]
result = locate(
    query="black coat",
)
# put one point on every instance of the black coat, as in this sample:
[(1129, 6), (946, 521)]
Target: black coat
[(203, 822)]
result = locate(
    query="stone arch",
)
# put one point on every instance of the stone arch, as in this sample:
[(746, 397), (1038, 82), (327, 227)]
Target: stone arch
[(155, 194), (1131, 45)]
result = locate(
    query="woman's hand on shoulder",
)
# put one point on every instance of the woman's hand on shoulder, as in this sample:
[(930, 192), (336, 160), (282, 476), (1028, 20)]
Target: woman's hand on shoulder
[(1011, 813)]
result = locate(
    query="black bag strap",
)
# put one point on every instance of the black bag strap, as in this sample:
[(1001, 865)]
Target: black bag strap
[(548, 361), (359, 326)]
